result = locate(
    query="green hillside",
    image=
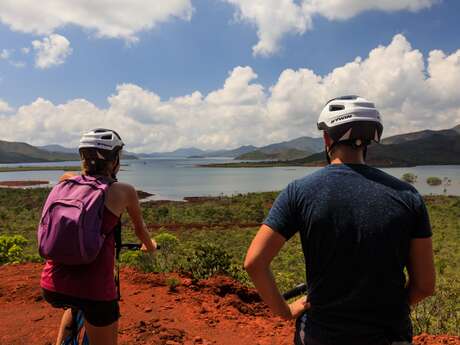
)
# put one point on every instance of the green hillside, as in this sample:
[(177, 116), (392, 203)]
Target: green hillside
[(286, 150), (437, 148), (411, 149), (281, 154), (14, 152)]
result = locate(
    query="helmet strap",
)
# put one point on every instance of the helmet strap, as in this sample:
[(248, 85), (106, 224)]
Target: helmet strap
[(353, 144), (328, 151), (117, 163)]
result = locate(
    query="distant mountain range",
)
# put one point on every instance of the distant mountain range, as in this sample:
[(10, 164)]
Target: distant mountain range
[(192, 152), (17, 152), (293, 149), (58, 148), (426, 147), (418, 148), (13, 152), (297, 148)]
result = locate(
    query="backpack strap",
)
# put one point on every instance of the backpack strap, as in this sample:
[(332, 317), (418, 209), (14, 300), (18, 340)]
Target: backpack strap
[(117, 234)]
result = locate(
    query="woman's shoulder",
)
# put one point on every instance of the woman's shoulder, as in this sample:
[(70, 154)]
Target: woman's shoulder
[(122, 190), (122, 186)]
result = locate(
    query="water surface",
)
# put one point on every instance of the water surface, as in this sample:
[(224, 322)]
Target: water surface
[(176, 178)]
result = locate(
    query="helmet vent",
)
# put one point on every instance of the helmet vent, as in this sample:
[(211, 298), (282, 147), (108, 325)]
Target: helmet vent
[(107, 137), (365, 104), (336, 107)]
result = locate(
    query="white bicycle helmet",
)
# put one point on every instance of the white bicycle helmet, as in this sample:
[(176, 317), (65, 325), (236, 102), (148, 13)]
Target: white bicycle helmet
[(107, 143), (351, 119)]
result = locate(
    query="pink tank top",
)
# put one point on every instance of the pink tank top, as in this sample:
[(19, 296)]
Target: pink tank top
[(94, 281)]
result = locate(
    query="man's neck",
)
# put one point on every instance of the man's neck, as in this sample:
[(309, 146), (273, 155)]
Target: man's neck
[(338, 160), (345, 155)]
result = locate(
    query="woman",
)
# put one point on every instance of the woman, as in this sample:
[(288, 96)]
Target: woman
[(91, 287)]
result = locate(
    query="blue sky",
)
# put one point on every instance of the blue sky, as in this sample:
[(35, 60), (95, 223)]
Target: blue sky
[(179, 56)]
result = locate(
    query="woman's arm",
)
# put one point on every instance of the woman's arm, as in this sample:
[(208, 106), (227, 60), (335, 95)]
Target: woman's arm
[(134, 211), (264, 247), (422, 276)]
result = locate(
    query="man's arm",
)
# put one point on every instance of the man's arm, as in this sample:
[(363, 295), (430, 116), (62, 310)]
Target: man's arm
[(422, 276), (264, 247)]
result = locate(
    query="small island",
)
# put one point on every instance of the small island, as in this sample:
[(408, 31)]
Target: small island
[(434, 181), (30, 183), (39, 168)]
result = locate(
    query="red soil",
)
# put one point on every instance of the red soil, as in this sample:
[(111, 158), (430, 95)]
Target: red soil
[(216, 311), (22, 183)]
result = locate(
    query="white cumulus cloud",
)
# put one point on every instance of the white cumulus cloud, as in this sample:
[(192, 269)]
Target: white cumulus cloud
[(51, 51), (276, 18), (4, 107), (106, 18), (412, 92), (345, 9)]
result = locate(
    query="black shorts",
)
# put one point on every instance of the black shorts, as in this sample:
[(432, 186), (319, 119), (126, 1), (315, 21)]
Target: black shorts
[(97, 313)]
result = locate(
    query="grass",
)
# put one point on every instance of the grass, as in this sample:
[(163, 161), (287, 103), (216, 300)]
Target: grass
[(224, 227)]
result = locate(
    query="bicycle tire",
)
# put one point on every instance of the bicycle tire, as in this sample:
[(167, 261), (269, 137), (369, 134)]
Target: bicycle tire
[(78, 321)]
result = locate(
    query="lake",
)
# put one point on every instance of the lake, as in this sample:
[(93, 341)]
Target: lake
[(176, 178)]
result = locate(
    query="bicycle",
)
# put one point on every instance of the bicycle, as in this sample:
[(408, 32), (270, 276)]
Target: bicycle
[(76, 336)]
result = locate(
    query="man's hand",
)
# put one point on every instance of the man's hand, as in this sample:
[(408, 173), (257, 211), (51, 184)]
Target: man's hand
[(299, 306)]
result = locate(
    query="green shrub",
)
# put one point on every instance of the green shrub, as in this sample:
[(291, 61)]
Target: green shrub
[(163, 260), (434, 181), (137, 259), (173, 283), (166, 241), (206, 260), (166, 258), (11, 249), (237, 272), (409, 177)]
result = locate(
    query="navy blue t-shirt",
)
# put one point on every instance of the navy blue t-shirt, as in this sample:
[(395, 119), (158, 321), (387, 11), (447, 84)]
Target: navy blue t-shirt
[(355, 224)]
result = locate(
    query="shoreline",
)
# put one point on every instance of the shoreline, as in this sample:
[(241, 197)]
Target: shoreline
[(142, 195), (288, 164), (26, 183), (39, 168)]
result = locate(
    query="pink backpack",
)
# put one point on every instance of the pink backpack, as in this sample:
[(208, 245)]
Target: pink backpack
[(70, 227)]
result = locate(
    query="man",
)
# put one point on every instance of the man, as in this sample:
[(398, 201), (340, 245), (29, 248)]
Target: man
[(359, 229)]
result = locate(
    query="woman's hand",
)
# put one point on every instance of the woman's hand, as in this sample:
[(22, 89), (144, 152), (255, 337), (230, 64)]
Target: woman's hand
[(67, 175), (299, 306), (152, 248)]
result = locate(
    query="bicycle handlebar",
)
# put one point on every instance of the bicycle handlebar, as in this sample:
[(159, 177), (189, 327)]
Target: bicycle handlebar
[(131, 246), (134, 246), (295, 292)]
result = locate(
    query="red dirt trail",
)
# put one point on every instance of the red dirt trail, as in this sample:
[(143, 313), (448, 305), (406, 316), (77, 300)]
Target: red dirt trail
[(216, 311)]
